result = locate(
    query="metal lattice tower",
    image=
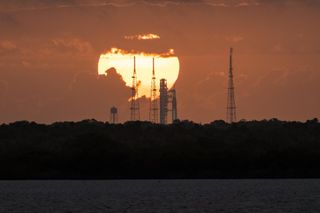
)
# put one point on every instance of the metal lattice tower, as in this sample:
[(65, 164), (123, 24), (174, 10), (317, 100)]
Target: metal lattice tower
[(231, 104), (153, 112), (163, 101), (113, 115), (135, 106)]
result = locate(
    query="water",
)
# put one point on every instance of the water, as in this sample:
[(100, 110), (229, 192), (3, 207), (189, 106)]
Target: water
[(160, 196)]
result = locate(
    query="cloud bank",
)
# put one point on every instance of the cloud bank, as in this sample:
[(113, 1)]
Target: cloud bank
[(149, 36), (22, 5)]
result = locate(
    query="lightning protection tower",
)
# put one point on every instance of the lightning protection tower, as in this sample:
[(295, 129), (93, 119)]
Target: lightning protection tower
[(113, 115), (163, 101), (153, 112), (135, 106), (231, 104)]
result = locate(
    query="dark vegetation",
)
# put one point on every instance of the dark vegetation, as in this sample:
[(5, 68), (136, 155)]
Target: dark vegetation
[(91, 149)]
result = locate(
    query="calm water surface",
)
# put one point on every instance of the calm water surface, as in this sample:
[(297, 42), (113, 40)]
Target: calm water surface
[(160, 196)]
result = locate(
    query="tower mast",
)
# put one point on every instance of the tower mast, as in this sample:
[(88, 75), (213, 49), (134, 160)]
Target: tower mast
[(231, 104), (135, 106), (153, 112)]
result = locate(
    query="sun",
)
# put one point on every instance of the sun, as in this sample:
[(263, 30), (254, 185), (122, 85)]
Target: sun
[(166, 66)]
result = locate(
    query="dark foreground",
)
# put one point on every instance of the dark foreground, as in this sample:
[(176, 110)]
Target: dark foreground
[(161, 196), (95, 150)]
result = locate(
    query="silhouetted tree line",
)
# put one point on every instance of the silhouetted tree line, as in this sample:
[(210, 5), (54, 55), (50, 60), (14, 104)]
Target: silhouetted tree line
[(92, 149)]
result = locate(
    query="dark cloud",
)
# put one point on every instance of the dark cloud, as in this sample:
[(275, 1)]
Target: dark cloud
[(91, 96), (49, 97), (290, 2), (15, 5), (7, 21), (22, 5)]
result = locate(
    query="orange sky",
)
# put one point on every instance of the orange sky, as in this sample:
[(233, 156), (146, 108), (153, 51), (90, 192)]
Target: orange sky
[(49, 51)]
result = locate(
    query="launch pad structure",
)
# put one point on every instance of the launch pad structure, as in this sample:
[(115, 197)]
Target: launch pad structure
[(167, 106), (167, 99), (168, 103)]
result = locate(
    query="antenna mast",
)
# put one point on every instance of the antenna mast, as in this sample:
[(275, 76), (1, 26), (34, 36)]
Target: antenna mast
[(231, 104)]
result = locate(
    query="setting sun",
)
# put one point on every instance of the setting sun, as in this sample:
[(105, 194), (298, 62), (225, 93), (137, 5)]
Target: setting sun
[(166, 66)]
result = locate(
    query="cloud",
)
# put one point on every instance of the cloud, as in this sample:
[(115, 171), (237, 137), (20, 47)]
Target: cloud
[(30, 5), (7, 45), (311, 3), (91, 96), (118, 51), (7, 21), (247, 4), (7, 49), (234, 39), (212, 3), (74, 44), (21, 5), (149, 36)]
